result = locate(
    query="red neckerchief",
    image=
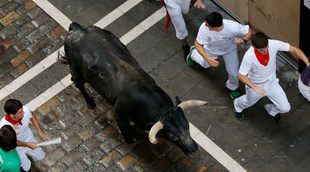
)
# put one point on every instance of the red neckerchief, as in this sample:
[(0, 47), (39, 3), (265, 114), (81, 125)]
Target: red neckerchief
[(263, 59), (12, 121), (168, 19)]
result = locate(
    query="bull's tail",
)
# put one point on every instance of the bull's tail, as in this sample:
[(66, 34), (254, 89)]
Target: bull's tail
[(62, 58)]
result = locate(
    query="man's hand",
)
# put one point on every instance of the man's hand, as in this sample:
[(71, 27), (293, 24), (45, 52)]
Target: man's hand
[(239, 41), (213, 62), (258, 90), (43, 135), (199, 4), (32, 145)]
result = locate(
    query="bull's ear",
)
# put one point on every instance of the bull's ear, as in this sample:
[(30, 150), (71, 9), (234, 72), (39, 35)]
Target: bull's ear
[(177, 100)]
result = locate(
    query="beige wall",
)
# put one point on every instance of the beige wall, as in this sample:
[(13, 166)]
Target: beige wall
[(279, 19)]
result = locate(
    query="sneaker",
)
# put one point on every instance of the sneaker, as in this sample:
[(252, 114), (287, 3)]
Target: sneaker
[(235, 94), (190, 62), (239, 115)]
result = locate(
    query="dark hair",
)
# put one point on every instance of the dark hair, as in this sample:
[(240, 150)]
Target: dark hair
[(214, 19), (259, 40), (11, 106), (7, 138)]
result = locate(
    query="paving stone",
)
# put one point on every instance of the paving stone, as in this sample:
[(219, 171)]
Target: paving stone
[(40, 20), (3, 2), (126, 162), (35, 58), (7, 31), (8, 7), (21, 1), (8, 55), (78, 166), (23, 9), (9, 18), (107, 133), (25, 30), (50, 48), (5, 68), (20, 58), (91, 157), (38, 34), (38, 45), (72, 157), (52, 157), (34, 12), (57, 32), (29, 5), (84, 120), (51, 23), (2, 49), (7, 43), (110, 144), (5, 78), (97, 167), (51, 104), (58, 167), (21, 45), (87, 133), (52, 117), (22, 68), (201, 168), (124, 148), (72, 143), (110, 158)]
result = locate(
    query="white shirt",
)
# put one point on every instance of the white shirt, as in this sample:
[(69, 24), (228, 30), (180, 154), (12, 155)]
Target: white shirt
[(221, 42), (23, 132), (257, 72)]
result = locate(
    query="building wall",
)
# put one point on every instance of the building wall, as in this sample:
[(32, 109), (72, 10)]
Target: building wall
[(279, 19)]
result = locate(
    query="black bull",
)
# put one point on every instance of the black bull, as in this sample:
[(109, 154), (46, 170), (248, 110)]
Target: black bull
[(97, 57)]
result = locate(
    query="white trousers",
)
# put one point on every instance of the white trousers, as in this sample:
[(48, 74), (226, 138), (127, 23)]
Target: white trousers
[(231, 64), (176, 9), (304, 89), (272, 90), (37, 154)]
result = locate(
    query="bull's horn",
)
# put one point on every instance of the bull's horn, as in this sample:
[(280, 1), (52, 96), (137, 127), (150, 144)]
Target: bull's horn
[(191, 103), (154, 130)]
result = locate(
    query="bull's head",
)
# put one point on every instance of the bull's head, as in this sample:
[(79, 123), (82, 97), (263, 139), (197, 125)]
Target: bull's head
[(175, 127)]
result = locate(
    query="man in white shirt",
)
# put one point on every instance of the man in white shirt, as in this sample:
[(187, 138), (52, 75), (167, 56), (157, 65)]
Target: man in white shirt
[(19, 117), (258, 73), (218, 37), (175, 10)]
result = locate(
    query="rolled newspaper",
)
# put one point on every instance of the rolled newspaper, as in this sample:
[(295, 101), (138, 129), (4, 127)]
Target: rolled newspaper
[(50, 142)]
